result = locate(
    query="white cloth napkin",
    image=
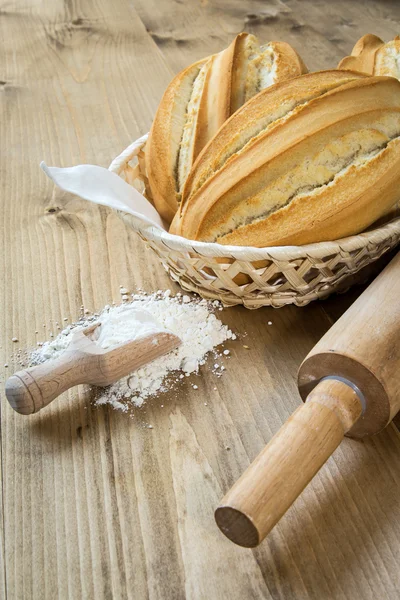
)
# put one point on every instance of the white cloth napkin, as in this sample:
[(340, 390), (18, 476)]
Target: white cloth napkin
[(101, 186)]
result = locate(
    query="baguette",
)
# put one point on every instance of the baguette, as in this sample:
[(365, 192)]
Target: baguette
[(372, 56), (199, 100), (322, 163)]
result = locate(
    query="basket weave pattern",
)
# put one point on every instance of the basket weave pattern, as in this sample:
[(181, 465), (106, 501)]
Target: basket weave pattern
[(255, 277)]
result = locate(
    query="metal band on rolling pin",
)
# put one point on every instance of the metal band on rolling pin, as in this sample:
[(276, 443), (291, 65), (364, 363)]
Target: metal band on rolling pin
[(353, 386)]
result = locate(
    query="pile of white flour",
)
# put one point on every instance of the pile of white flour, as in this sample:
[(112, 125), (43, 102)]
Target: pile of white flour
[(193, 321)]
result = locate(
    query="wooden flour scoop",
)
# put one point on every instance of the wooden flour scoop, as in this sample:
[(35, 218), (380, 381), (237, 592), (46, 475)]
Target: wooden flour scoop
[(83, 361), (350, 383)]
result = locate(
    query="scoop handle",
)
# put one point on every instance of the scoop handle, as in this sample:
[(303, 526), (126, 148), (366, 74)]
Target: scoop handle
[(288, 463), (30, 390)]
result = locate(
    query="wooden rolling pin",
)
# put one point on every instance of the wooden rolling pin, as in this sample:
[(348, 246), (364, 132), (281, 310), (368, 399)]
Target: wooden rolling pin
[(83, 361), (350, 383)]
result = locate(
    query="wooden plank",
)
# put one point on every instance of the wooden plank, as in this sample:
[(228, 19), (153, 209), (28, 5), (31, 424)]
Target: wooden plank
[(96, 505), (2, 540), (66, 72), (323, 33)]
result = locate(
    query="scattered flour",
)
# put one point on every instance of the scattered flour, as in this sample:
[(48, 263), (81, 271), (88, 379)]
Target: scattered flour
[(191, 320)]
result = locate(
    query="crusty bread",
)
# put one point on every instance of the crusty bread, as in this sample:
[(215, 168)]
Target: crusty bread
[(260, 115), (199, 100), (162, 152), (320, 164), (372, 56), (249, 127), (387, 59)]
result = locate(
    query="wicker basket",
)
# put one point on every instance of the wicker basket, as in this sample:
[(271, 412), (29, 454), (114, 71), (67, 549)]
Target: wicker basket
[(250, 276)]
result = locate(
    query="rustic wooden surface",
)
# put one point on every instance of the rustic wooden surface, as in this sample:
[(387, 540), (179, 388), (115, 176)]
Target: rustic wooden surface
[(95, 505)]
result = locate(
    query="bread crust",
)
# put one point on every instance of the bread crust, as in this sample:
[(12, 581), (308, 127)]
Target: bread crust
[(163, 144), (362, 56), (258, 111), (343, 209), (289, 63), (372, 56), (215, 106), (169, 154), (230, 191)]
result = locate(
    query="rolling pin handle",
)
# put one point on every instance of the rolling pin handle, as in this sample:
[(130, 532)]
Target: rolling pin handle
[(288, 463)]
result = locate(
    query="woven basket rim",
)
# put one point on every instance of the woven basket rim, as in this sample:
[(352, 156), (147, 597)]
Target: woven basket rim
[(250, 253)]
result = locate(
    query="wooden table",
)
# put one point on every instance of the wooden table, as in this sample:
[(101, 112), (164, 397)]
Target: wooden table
[(94, 504)]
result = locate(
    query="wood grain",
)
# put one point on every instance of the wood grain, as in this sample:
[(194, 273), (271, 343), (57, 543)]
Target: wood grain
[(95, 504)]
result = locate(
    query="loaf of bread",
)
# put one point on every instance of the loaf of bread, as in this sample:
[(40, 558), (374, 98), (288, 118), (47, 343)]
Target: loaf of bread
[(199, 100), (372, 56), (312, 159)]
